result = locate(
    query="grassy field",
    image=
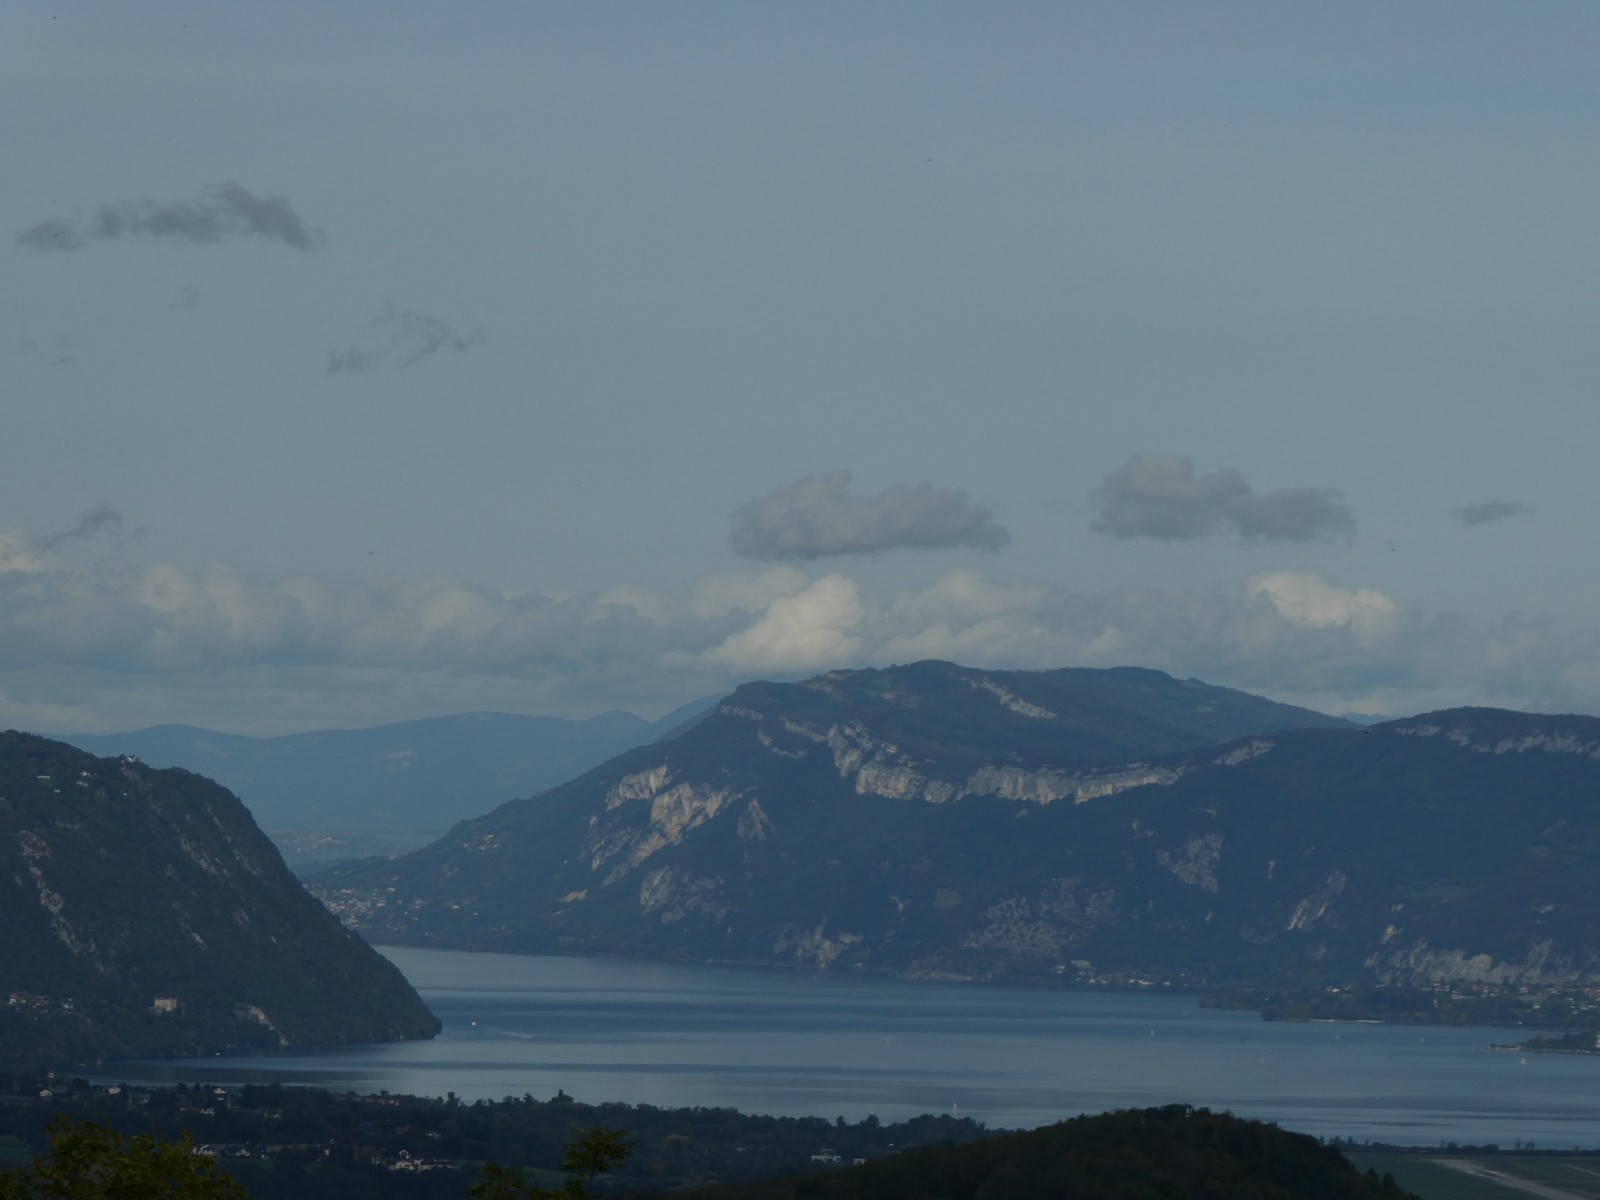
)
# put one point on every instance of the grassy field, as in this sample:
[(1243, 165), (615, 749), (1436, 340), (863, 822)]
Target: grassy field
[(1415, 1173)]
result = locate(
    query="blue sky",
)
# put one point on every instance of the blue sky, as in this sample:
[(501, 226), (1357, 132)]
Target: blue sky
[(365, 362)]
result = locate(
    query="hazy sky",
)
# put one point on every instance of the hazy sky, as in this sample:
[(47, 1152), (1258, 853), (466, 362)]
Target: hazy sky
[(380, 360)]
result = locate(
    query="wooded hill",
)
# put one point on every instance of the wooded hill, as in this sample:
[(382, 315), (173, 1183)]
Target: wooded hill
[(145, 914)]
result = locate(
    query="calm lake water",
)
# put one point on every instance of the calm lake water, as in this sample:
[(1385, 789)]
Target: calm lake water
[(802, 1043)]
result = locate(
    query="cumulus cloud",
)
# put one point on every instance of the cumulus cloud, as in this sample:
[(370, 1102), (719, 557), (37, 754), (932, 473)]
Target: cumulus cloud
[(98, 637), (1160, 496), (1484, 512), (819, 516), (404, 337), (809, 631), (221, 213), (721, 595), (1306, 600)]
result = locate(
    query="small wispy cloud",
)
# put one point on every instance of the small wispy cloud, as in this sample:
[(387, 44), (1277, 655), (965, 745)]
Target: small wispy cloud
[(1160, 496), (102, 518), (819, 516), (1485, 512), (225, 212), (405, 338)]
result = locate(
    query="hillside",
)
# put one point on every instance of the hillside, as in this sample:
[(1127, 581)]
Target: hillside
[(938, 821), (145, 914), (1172, 1153), (334, 794)]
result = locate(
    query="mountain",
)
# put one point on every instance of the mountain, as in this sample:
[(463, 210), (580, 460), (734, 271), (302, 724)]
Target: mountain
[(376, 788), (147, 915), (1116, 825)]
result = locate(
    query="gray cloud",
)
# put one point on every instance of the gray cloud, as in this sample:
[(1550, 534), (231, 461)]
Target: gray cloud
[(405, 338), (352, 362), (220, 213), (1160, 496), (102, 518), (819, 516), (1483, 512)]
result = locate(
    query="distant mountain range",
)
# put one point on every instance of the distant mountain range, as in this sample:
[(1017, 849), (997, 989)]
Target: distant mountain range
[(147, 915), (339, 793)]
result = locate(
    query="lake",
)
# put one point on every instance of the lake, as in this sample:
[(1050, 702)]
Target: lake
[(814, 1043)]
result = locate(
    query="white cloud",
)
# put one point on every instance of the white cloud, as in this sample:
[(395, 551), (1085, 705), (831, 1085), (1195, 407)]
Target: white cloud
[(1306, 599), (719, 595), (159, 642), (815, 629)]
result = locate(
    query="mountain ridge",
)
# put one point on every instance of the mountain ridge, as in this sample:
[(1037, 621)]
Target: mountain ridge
[(146, 914), (922, 821), (776, 829), (327, 794)]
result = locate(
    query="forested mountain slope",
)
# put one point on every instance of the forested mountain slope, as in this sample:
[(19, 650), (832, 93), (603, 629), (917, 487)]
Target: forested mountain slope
[(144, 913)]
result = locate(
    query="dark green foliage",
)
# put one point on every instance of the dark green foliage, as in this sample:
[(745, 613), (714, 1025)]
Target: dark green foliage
[(89, 1162), (1172, 1153), (145, 914), (325, 1146), (597, 1151)]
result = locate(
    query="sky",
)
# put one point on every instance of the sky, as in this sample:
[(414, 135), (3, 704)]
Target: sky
[(368, 362)]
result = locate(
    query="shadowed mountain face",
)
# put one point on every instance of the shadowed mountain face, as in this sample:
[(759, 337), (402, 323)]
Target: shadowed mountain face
[(144, 913), (937, 821)]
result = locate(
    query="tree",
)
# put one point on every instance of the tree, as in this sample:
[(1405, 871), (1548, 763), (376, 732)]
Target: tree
[(597, 1151), (90, 1162)]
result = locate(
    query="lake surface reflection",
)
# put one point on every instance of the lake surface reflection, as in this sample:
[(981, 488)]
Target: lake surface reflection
[(804, 1043)]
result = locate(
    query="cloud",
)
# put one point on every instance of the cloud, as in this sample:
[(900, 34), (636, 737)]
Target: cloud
[(221, 213), (720, 595), (1483, 512), (1160, 496), (1307, 600), (116, 642), (102, 518), (818, 516), (405, 337), (811, 631)]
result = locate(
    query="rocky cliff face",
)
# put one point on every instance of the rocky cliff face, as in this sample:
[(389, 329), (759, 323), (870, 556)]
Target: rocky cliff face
[(892, 820), (145, 913), (941, 822)]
